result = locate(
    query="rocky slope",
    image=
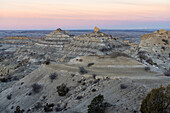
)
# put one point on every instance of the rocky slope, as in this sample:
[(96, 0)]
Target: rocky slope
[(122, 89), (154, 50)]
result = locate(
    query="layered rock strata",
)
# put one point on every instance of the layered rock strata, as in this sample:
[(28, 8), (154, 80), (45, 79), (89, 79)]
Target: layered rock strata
[(95, 43), (154, 50), (58, 39)]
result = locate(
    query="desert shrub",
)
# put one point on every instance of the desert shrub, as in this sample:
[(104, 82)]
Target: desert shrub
[(165, 41), (163, 48), (38, 106), (118, 54), (62, 90), (142, 55), (3, 80), (48, 107), (79, 97), (17, 110), (82, 70), (157, 101), (94, 76), (53, 76), (97, 105), (94, 90), (47, 62), (6, 78), (167, 73), (58, 109), (72, 75), (9, 96), (90, 64), (36, 88), (123, 86), (104, 49), (147, 68), (150, 61), (80, 60), (96, 81)]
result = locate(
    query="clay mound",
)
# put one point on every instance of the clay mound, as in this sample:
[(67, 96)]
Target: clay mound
[(57, 38), (95, 43)]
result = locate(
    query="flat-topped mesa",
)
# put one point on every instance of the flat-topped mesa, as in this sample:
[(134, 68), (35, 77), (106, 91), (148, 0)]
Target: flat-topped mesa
[(57, 38), (16, 40), (156, 42)]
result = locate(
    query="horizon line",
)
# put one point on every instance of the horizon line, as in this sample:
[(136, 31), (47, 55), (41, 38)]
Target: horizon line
[(82, 29)]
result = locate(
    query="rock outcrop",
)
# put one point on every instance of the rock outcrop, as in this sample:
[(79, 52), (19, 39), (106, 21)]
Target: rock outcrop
[(154, 50), (157, 42), (60, 46), (96, 29), (16, 41), (95, 43), (57, 38)]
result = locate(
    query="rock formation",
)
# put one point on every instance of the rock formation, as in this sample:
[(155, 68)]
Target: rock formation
[(96, 29), (157, 42), (57, 38), (16, 41), (59, 45), (154, 50), (95, 43)]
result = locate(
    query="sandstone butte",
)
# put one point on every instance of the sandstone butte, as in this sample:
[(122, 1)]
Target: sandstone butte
[(96, 29)]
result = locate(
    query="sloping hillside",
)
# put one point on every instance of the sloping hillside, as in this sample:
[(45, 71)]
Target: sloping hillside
[(123, 81)]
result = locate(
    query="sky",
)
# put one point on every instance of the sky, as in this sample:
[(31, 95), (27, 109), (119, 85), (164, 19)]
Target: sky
[(84, 14)]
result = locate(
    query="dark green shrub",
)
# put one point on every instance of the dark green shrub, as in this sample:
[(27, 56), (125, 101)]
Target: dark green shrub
[(38, 106), (97, 105), (167, 73), (147, 68), (90, 64), (82, 70), (142, 55), (53, 76), (123, 86), (9, 96), (36, 88), (48, 107), (165, 41), (150, 61), (17, 110), (62, 90), (47, 62), (157, 101)]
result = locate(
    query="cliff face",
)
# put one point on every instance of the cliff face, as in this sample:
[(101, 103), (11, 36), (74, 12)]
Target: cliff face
[(156, 42)]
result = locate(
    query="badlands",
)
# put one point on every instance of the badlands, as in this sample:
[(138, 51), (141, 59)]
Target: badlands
[(84, 67)]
